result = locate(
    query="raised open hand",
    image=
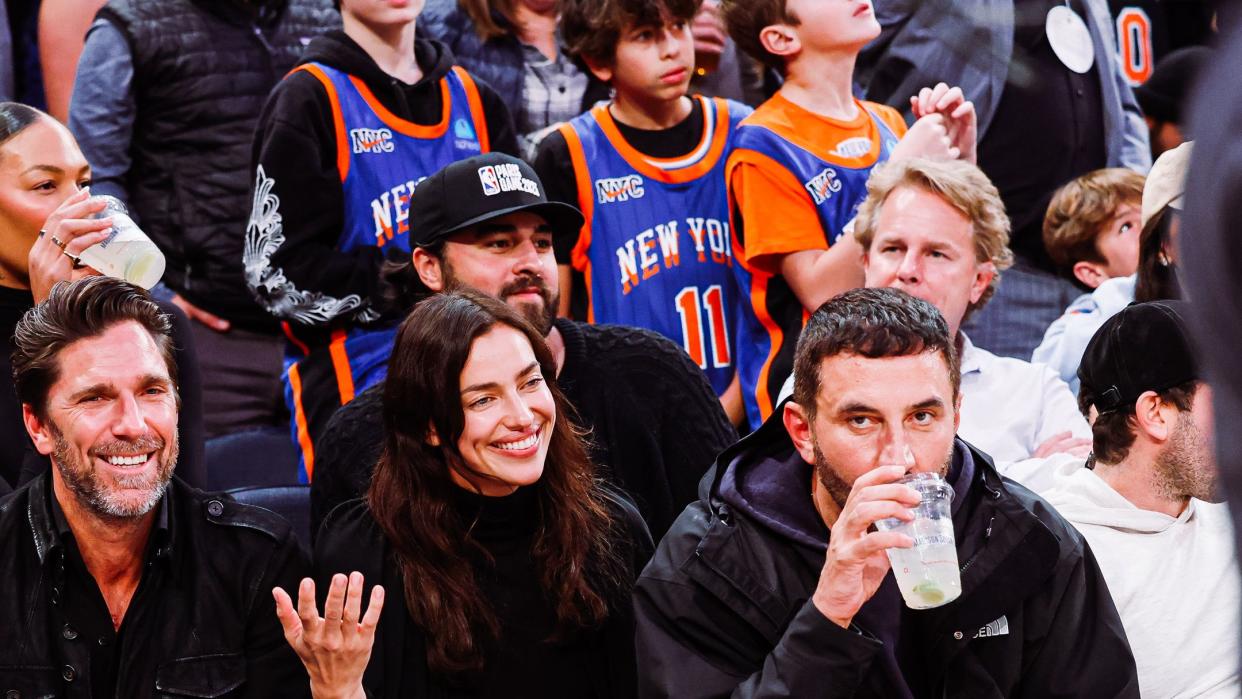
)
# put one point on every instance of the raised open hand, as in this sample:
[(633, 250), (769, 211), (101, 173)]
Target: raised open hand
[(336, 647)]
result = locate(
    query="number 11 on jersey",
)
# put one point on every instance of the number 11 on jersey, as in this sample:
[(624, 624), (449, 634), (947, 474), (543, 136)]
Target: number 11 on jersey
[(694, 339)]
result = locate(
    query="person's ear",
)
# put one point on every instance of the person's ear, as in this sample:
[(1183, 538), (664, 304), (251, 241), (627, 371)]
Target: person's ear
[(1091, 274), (39, 430), (1154, 418), (602, 70), (429, 269), (799, 427), (985, 272), (780, 40), (433, 438)]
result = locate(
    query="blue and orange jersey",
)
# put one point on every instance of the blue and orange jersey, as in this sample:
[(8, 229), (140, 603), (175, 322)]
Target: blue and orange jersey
[(380, 158), (655, 248), (795, 180)]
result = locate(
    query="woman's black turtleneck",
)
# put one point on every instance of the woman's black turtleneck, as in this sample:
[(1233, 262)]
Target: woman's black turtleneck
[(522, 662)]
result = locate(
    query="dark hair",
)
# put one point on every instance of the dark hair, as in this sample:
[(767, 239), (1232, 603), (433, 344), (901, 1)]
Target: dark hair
[(745, 19), (871, 323), (492, 19), (400, 287), (592, 28), (577, 550), (1156, 279), (1113, 433), (77, 311), (15, 117)]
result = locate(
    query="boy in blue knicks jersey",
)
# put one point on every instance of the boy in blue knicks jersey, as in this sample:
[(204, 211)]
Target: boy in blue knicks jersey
[(647, 171), (341, 144), (799, 170)]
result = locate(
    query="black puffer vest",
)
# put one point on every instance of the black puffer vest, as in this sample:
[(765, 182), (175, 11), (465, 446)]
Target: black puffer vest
[(202, 72)]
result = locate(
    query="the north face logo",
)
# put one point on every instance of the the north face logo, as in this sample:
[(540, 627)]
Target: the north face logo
[(371, 140), (1000, 627), (822, 186), (612, 189)]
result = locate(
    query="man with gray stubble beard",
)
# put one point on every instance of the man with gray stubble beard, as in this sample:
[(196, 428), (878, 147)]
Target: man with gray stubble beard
[(121, 580)]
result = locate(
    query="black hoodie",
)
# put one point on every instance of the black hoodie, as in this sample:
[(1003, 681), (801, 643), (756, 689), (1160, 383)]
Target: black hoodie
[(295, 145), (724, 607)]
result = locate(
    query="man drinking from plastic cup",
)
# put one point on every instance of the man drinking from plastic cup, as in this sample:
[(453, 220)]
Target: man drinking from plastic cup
[(777, 582)]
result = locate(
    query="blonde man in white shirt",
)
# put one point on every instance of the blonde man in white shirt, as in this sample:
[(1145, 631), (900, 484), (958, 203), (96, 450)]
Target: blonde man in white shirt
[(938, 230), (1149, 505)]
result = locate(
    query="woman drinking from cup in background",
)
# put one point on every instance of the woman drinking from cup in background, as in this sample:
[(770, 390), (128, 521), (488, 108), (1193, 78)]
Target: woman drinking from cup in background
[(512, 564), (47, 219)]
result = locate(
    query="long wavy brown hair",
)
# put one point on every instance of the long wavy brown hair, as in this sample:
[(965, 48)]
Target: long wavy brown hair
[(577, 548)]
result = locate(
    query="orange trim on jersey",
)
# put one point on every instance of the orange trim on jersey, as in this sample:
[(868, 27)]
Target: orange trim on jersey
[(578, 257), (338, 118), (820, 135), (288, 330), (299, 418), (400, 125), (776, 336), (340, 365), (650, 166), (476, 107), (758, 294), (798, 228)]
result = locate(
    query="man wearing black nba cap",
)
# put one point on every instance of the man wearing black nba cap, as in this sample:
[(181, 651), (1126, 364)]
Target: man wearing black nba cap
[(1147, 502), (486, 223)]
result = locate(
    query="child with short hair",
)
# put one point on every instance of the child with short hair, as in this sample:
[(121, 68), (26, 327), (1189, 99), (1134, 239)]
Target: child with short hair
[(1092, 231), (345, 137), (800, 169), (1092, 227), (647, 171)]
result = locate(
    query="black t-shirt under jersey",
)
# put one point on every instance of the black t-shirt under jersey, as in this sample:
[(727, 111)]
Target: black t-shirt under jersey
[(556, 171)]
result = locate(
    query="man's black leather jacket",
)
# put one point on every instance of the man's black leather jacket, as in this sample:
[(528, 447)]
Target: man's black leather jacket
[(206, 625)]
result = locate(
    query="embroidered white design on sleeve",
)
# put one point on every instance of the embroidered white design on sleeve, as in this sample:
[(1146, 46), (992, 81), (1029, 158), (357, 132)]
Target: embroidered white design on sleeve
[(264, 234)]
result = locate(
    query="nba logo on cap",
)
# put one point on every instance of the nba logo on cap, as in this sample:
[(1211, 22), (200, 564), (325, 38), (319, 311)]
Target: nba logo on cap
[(491, 185)]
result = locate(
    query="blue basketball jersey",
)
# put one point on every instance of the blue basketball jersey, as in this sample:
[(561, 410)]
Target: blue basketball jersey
[(381, 158), (655, 247), (835, 179)]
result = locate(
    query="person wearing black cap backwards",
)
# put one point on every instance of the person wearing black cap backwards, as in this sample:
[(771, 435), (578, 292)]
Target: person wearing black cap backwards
[(1149, 506), (485, 223)]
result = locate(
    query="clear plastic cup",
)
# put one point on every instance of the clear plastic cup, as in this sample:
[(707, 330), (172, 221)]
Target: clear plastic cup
[(127, 253), (927, 574)]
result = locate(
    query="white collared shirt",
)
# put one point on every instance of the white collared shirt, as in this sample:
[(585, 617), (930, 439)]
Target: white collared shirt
[(1010, 407)]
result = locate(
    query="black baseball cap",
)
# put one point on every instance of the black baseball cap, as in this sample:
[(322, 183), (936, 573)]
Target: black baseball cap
[(478, 189), (1145, 347), (1165, 93)]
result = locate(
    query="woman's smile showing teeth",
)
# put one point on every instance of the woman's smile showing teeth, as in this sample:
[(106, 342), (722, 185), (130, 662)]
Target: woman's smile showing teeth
[(523, 444)]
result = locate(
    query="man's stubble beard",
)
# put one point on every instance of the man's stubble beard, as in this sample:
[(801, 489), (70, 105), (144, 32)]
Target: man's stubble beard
[(541, 318), (84, 482), (837, 488), (1184, 467)]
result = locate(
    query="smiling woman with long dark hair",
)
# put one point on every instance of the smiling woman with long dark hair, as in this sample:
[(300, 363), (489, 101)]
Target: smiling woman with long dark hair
[(514, 564)]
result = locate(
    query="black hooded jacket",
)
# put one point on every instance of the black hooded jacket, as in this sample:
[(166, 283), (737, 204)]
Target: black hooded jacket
[(724, 609), (306, 279)]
